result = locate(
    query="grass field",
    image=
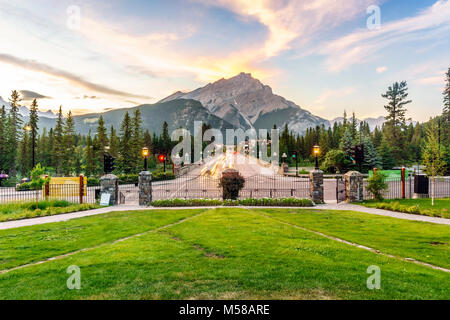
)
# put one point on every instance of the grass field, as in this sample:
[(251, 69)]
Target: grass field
[(25, 210), (441, 207), (225, 253)]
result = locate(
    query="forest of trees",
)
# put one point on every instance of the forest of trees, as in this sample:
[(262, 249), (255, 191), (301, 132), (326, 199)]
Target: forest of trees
[(63, 152)]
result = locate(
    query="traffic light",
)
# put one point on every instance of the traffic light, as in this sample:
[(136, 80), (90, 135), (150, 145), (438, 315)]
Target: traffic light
[(109, 163), (162, 158)]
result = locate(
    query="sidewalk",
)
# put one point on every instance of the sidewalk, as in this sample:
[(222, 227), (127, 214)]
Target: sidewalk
[(328, 206)]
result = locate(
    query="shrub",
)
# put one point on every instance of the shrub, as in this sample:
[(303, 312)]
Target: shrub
[(93, 182), (377, 185), (161, 176), (232, 182), (128, 178)]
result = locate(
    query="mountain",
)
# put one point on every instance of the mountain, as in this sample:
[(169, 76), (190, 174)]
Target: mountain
[(178, 113), (247, 103), (25, 111), (373, 122)]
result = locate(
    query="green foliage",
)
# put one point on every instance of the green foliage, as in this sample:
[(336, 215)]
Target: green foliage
[(413, 207), (25, 210), (335, 160), (377, 185), (161, 176), (130, 178), (231, 183), (93, 182)]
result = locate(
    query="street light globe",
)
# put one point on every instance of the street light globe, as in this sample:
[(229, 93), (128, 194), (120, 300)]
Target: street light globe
[(316, 150), (28, 127), (145, 152)]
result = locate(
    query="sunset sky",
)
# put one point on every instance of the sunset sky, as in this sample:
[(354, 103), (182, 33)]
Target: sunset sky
[(319, 54)]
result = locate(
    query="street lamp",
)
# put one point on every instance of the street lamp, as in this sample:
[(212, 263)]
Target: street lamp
[(316, 151), (145, 153)]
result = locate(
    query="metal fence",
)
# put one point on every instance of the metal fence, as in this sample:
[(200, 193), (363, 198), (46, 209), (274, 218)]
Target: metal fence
[(442, 188), (68, 192), (207, 187), (276, 186)]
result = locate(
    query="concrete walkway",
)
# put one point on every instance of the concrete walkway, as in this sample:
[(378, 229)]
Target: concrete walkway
[(328, 206)]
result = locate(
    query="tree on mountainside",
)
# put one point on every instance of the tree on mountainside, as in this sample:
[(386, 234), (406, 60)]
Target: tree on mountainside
[(33, 124), (68, 162), (58, 144), (14, 130), (126, 156)]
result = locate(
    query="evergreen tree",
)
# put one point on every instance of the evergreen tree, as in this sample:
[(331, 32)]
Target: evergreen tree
[(126, 156), (69, 146), (137, 139), (90, 161), (100, 144), (34, 119), (397, 96), (371, 159), (446, 94), (24, 155), (347, 143), (165, 139), (387, 160), (354, 127), (3, 140), (433, 155), (14, 130), (58, 143), (113, 143)]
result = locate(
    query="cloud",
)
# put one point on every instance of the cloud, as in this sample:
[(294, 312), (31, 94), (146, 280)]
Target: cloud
[(363, 44), (382, 69), (338, 93), (291, 20), (68, 76), (31, 95)]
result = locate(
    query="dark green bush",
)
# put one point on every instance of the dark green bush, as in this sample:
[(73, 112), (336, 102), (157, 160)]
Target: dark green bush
[(231, 183), (161, 176), (26, 186), (377, 185), (93, 182), (128, 178)]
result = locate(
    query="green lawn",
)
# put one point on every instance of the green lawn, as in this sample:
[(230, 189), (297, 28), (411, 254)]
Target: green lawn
[(441, 207), (225, 253), (25, 210)]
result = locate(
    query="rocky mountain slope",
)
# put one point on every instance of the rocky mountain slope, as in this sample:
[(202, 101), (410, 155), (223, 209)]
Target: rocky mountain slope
[(245, 102)]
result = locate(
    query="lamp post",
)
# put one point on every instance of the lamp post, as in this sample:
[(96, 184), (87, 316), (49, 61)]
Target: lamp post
[(145, 153), (316, 151)]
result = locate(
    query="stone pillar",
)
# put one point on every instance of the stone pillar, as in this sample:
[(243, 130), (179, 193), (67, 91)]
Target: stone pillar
[(353, 186), (110, 185), (145, 188), (316, 185)]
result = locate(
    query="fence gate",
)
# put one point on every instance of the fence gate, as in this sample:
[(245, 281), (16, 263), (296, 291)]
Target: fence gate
[(340, 189), (129, 194)]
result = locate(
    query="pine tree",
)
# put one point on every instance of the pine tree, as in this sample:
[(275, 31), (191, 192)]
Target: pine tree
[(68, 162), (100, 145), (165, 139), (347, 143), (14, 127), (446, 94), (24, 155), (126, 157), (113, 143), (433, 155), (397, 96), (34, 119), (354, 127), (90, 161), (387, 160), (58, 144), (3, 140), (371, 158), (137, 139)]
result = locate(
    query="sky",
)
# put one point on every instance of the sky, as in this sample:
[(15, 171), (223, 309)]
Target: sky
[(324, 55)]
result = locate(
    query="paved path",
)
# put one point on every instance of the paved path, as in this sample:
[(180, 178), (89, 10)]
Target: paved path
[(380, 212), (328, 206)]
